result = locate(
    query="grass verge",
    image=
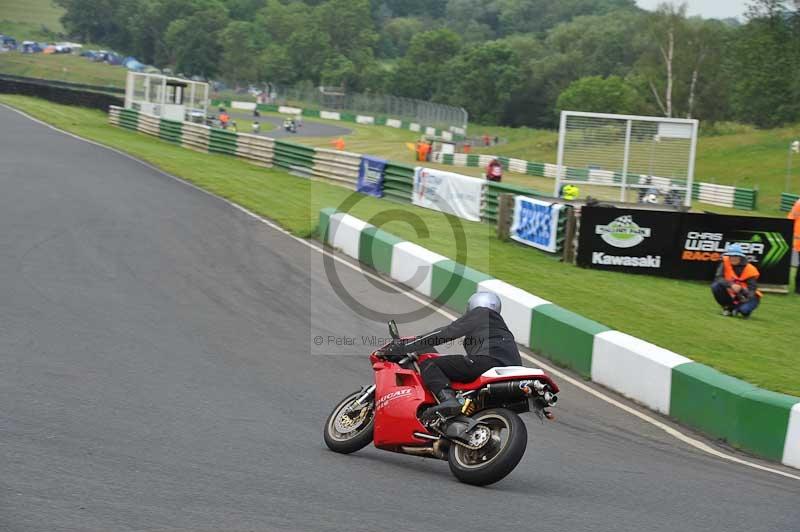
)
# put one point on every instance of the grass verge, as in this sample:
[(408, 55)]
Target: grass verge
[(63, 67), (31, 20), (677, 315)]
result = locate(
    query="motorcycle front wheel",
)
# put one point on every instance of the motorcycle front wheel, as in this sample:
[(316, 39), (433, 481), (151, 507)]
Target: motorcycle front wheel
[(347, 432), (502, 437)]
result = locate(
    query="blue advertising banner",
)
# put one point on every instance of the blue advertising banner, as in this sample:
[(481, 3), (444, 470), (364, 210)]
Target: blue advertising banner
[(370, 176), (536, 223)]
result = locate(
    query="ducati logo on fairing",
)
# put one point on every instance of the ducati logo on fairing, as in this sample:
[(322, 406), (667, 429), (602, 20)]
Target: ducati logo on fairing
[(391, 396)]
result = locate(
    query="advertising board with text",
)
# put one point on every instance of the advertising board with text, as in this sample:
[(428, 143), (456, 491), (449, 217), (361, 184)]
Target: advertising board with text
[(448, 192), (681, 245)]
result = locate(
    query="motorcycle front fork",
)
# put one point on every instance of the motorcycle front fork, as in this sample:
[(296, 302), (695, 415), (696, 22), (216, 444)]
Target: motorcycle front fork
[(360, 402)]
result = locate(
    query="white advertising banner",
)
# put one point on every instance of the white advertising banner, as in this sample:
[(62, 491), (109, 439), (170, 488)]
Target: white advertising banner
[(536, 223), (448, 192)]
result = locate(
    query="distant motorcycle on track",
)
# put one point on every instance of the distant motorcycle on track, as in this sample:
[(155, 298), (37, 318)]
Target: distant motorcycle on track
[(482, 444), (290, 125)]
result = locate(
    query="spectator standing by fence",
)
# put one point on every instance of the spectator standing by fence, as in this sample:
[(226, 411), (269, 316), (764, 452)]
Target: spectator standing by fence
[(794, 214)]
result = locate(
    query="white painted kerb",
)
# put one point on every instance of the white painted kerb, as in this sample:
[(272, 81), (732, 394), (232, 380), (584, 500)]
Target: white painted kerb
[(344, 232), (518, 306), (791, 449), (412, 265), (635, 368)]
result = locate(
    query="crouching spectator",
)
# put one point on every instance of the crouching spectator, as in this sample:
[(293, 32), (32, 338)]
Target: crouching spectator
[(734, 286)]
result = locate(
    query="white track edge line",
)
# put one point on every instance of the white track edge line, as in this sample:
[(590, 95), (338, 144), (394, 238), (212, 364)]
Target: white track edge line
[(693, 442)]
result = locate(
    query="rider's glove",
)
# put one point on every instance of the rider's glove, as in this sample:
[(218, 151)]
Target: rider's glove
[(396, 350)]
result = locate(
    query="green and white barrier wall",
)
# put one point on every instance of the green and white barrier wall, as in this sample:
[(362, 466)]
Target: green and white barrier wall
[(758, 421), (712, 194), (453, 133), (788, 200)]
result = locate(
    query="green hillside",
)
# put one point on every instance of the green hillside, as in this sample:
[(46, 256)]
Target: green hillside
[(30, 20)]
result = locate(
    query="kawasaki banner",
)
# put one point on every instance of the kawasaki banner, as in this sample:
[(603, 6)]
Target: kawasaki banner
[(536, 223), (635, 241), (371, 172), (681, 245), (448, 192)]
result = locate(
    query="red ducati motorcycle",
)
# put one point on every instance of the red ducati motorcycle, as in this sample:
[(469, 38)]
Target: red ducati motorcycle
[(482, 444)]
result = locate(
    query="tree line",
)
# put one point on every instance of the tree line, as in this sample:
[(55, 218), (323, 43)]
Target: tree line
[(510, 62)]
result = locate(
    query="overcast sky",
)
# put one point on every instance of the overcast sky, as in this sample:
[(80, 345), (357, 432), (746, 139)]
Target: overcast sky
[(706, 8)]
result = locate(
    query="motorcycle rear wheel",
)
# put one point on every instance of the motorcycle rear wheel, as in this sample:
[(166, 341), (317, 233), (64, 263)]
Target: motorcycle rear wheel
[(508, 440), (347, 433)]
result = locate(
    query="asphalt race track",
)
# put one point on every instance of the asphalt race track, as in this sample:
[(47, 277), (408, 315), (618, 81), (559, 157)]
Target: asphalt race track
[(308, 129), (158, 372)]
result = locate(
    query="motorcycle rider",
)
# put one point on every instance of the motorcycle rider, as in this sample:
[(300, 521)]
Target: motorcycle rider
[(487, 342)]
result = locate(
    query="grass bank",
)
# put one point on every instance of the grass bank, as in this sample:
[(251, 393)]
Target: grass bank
[(677, 315), (63, 67), (30, 20)]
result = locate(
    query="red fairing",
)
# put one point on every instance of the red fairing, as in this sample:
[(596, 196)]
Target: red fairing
[(399, 393)]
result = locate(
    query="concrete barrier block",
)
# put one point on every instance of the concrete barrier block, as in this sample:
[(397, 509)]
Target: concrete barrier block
[(635, 368), (412, 265), (791, 448), (344, 233), (518, 307)]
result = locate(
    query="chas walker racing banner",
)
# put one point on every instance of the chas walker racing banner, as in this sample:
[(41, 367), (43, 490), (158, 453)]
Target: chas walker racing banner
[(448, 192)]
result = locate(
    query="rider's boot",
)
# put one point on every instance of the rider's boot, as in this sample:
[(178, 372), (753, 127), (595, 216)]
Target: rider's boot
[(449, 405)]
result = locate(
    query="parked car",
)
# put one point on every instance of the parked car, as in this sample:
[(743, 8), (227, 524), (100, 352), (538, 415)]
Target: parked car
[(30, 47), (8, 42)]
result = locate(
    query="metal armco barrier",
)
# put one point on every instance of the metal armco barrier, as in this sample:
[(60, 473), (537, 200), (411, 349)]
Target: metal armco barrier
[(149, 124), (726, 196), (127, 118), (221, 141), (256, 149), (493, 190), (64, 84), (60, 92), (195, 137), (339, 166), (399, 182), (171, 130), (294, 157), (788, 200)]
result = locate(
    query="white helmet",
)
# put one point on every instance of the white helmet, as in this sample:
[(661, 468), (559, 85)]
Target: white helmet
[(484, 299)]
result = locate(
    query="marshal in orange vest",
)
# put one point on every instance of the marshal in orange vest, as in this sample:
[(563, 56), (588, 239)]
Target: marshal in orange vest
[(794, 214), (748, 272)]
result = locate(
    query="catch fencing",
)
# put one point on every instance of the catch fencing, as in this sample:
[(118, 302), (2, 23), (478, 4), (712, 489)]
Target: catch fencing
[(710, 193)]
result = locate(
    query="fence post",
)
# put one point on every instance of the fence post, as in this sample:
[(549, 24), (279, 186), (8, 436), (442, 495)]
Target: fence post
[(570, 231), (505, 213)]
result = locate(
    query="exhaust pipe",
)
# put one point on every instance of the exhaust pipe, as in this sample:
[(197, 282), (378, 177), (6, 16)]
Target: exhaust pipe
[(435, 451)]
